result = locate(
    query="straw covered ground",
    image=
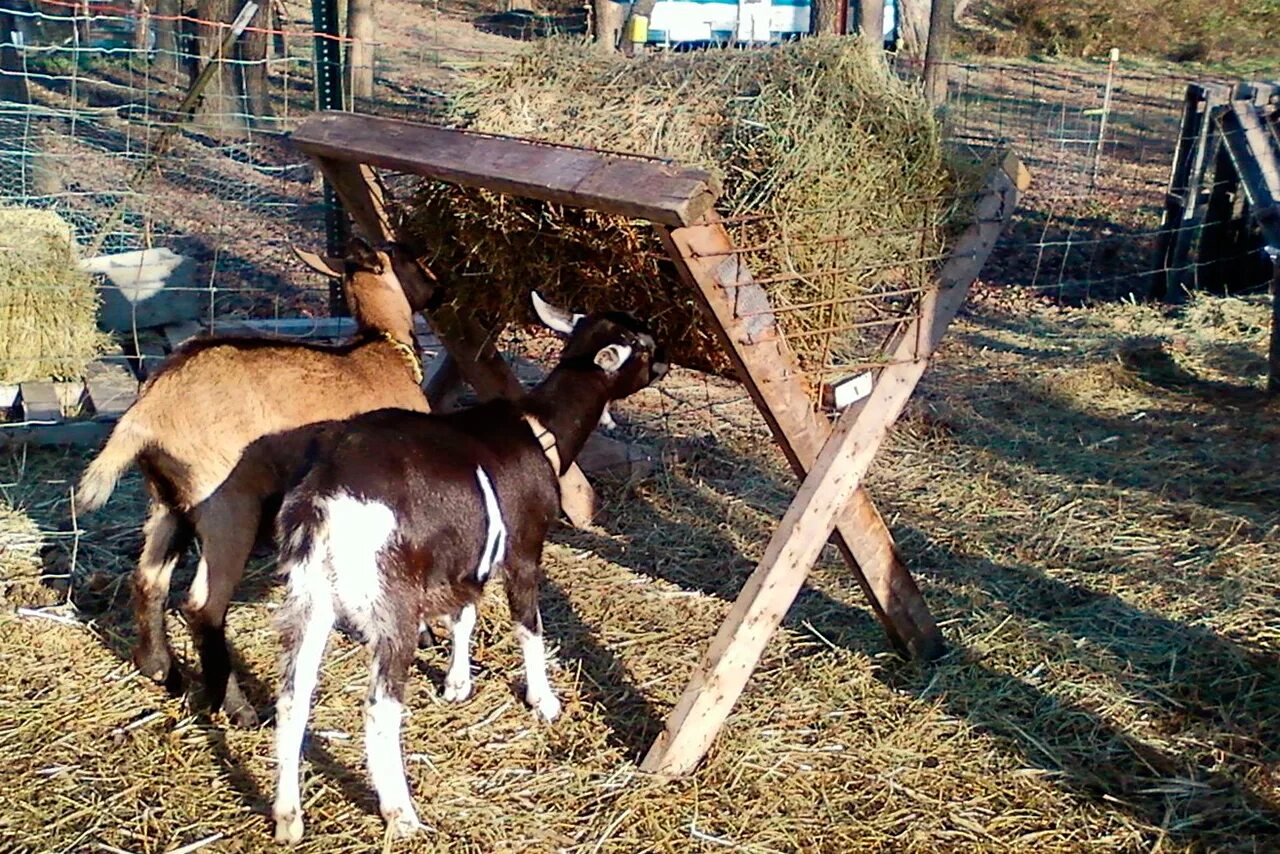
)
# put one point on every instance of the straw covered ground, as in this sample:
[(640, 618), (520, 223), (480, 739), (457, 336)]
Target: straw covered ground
[(48, 307), (834, 164), (1090, 502)]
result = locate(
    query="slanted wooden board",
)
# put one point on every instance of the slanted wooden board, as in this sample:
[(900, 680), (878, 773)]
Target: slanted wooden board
[(628, 186), (1257, 164), (832, 482)]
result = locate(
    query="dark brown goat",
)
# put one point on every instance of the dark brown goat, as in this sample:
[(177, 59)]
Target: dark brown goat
[(407, 516), (221, 431)]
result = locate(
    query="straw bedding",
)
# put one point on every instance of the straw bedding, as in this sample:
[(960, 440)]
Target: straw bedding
[(1088, 499), (48, 307), (814, 140)]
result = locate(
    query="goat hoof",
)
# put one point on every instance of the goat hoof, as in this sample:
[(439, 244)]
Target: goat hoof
[(402, 822), (243, 717), (289, 828), (546, 707), (457, 690), (157, 666)]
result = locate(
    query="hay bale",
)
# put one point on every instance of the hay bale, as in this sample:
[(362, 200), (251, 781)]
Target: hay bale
[(816, 138), (20, 542), (48, 306)]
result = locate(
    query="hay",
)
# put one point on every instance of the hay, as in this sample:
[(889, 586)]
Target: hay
[(20, 541), (1100, 551), (48, 307), (839, 163)]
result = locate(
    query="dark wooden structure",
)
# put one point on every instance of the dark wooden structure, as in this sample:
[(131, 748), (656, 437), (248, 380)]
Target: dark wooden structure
[(1223, 194), (831, 460)]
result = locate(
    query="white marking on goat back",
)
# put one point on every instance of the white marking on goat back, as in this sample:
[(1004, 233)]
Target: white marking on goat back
[(356, 533), (495, 537)]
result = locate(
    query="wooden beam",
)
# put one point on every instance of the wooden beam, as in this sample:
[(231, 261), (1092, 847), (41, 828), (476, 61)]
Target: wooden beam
[(739, 310), (112, 387), (39, 402), (832, 483), (469, 345), (1256, 163), (627, 186)]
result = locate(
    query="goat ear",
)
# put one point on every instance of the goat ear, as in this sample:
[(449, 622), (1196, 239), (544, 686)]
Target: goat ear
[(323, 266), (553, 318), (613, 357)]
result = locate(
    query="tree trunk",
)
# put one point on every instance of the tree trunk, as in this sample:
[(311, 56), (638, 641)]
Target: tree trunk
[(871, 21), (826, 16), (168, 60), (608, 20), (360, 29), (938, 51), (252, 50), (913, 24), (220, 105)]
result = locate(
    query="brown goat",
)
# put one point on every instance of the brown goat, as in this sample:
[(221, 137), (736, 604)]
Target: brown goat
[(223, 429)]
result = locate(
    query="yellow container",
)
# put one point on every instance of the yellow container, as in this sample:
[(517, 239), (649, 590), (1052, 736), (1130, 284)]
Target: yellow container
[(639, 29)]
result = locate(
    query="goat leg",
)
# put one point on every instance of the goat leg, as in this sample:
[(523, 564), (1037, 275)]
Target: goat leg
[(384, 708)]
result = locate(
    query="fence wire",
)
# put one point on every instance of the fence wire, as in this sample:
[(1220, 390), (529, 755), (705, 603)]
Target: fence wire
[(91, 128)]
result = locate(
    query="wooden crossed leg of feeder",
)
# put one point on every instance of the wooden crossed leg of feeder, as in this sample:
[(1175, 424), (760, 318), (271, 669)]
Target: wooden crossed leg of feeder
[(832, 461)]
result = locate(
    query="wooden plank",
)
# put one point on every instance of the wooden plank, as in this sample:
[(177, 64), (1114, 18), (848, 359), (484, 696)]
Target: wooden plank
[(1257, 164), (112, 388), (833, 481), (633, 187), (151, 355), (1175, 194), (306, 327), (179, 333), (469, 346), (65, 433), (39, 402), (772, 376)]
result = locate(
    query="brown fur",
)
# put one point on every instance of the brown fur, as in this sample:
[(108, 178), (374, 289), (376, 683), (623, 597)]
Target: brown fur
[(221, 431)]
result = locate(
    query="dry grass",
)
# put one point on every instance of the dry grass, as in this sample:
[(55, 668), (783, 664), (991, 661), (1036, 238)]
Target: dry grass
[(48, 307), (1096, 533), (836, 166)]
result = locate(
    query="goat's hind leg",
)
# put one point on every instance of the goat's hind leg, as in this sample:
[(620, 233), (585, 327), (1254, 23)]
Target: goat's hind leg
[(457, 682), (166, 537), (228, 532), (392, 655), (305, 623)]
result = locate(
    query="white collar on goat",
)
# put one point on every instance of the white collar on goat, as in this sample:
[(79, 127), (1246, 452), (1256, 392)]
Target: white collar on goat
[(547, 440)]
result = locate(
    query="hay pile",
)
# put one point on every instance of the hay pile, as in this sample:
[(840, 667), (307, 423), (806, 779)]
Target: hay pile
[(48, 306), (815, 139), (20, 543)]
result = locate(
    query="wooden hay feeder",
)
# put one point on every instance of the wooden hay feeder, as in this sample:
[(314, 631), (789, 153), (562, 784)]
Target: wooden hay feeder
[(830, 459)]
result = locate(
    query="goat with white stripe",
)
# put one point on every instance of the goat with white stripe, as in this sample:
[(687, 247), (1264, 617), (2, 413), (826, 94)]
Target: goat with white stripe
[(405, 518)]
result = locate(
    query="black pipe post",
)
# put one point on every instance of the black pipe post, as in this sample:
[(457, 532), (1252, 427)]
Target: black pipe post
[(328, 86), (1273, 356)]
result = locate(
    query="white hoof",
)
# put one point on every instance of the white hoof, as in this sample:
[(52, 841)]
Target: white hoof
[(403, 822), (457, 690), (545, 706), (289, 828)]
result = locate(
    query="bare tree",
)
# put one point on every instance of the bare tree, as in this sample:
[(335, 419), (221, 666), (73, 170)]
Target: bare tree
[(641, 8), (360, 29), (871, 20), (609, 17), (938, 51), (913, 24), (826, 16), (238, 91)]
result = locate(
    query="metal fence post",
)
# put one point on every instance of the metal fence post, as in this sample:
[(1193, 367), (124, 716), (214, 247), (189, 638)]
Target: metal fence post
[(328, 83)]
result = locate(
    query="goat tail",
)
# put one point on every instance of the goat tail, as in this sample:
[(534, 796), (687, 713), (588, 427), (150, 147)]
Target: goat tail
[(99, 479)]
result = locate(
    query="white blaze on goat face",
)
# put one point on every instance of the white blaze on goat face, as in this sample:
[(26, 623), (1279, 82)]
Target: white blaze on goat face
[(495, 538)]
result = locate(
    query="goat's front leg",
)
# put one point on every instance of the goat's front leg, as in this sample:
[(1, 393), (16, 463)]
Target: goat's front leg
[(522, 598), (457, 683), (384, 708)]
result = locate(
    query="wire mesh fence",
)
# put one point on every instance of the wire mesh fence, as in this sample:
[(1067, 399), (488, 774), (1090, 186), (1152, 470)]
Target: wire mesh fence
[(95, 126)]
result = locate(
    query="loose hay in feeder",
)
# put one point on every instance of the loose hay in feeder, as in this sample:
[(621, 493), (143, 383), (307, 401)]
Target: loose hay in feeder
[(833, 169), (48, 306)]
